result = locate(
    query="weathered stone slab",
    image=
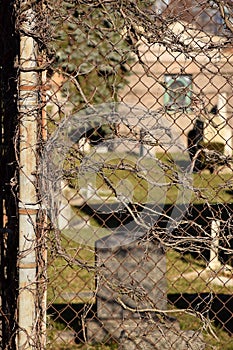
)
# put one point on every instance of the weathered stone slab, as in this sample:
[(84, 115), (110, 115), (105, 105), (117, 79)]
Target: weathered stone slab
[(141, 334), (131, 289), (157, 336), (133, 272)]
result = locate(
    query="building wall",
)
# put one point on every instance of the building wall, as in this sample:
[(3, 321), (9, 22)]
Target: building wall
[(210, 73)]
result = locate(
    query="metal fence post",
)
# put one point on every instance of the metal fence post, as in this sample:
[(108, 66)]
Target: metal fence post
[(28, 112)]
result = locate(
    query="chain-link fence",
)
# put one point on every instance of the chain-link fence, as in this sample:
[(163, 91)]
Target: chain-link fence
[(117, 160)]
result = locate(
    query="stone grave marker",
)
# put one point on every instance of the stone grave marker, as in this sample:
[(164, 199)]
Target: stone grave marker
[(132, 295)]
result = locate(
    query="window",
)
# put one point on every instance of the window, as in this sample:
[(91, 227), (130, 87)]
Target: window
[(178, 91)]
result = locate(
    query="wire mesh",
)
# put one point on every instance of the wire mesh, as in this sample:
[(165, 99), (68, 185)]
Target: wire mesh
[(154, 82), (134, 174)]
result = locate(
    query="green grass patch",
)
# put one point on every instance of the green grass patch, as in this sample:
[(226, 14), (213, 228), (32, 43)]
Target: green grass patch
[(69, 283), (181, 278), (72, 279), (163, 179), (214, 188), (185, 275)]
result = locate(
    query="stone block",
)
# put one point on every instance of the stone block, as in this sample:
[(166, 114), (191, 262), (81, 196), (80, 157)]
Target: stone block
[(133, 272), (142, 334), (131, 292)]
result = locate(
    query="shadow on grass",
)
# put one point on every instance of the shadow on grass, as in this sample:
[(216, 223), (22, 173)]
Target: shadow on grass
[(218, 307), (69, 316)]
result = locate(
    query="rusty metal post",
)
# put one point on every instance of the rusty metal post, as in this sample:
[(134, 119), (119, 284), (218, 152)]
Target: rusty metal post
[(28, 112)]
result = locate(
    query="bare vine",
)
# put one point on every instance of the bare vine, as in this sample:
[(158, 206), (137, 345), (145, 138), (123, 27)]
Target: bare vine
[(136, 25)]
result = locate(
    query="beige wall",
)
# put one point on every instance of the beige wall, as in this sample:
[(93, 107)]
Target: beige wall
[(211, 75)]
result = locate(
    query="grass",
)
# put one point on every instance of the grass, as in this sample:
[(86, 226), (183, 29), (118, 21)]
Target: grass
[(215, 188), (156, 183), (75, 281), (185, 275), (221, 341), (66, 280), (180, 278), (71, 284)]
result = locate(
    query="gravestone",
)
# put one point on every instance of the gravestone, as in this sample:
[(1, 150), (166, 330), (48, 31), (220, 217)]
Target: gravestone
[(132, 272), (131, 297)]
